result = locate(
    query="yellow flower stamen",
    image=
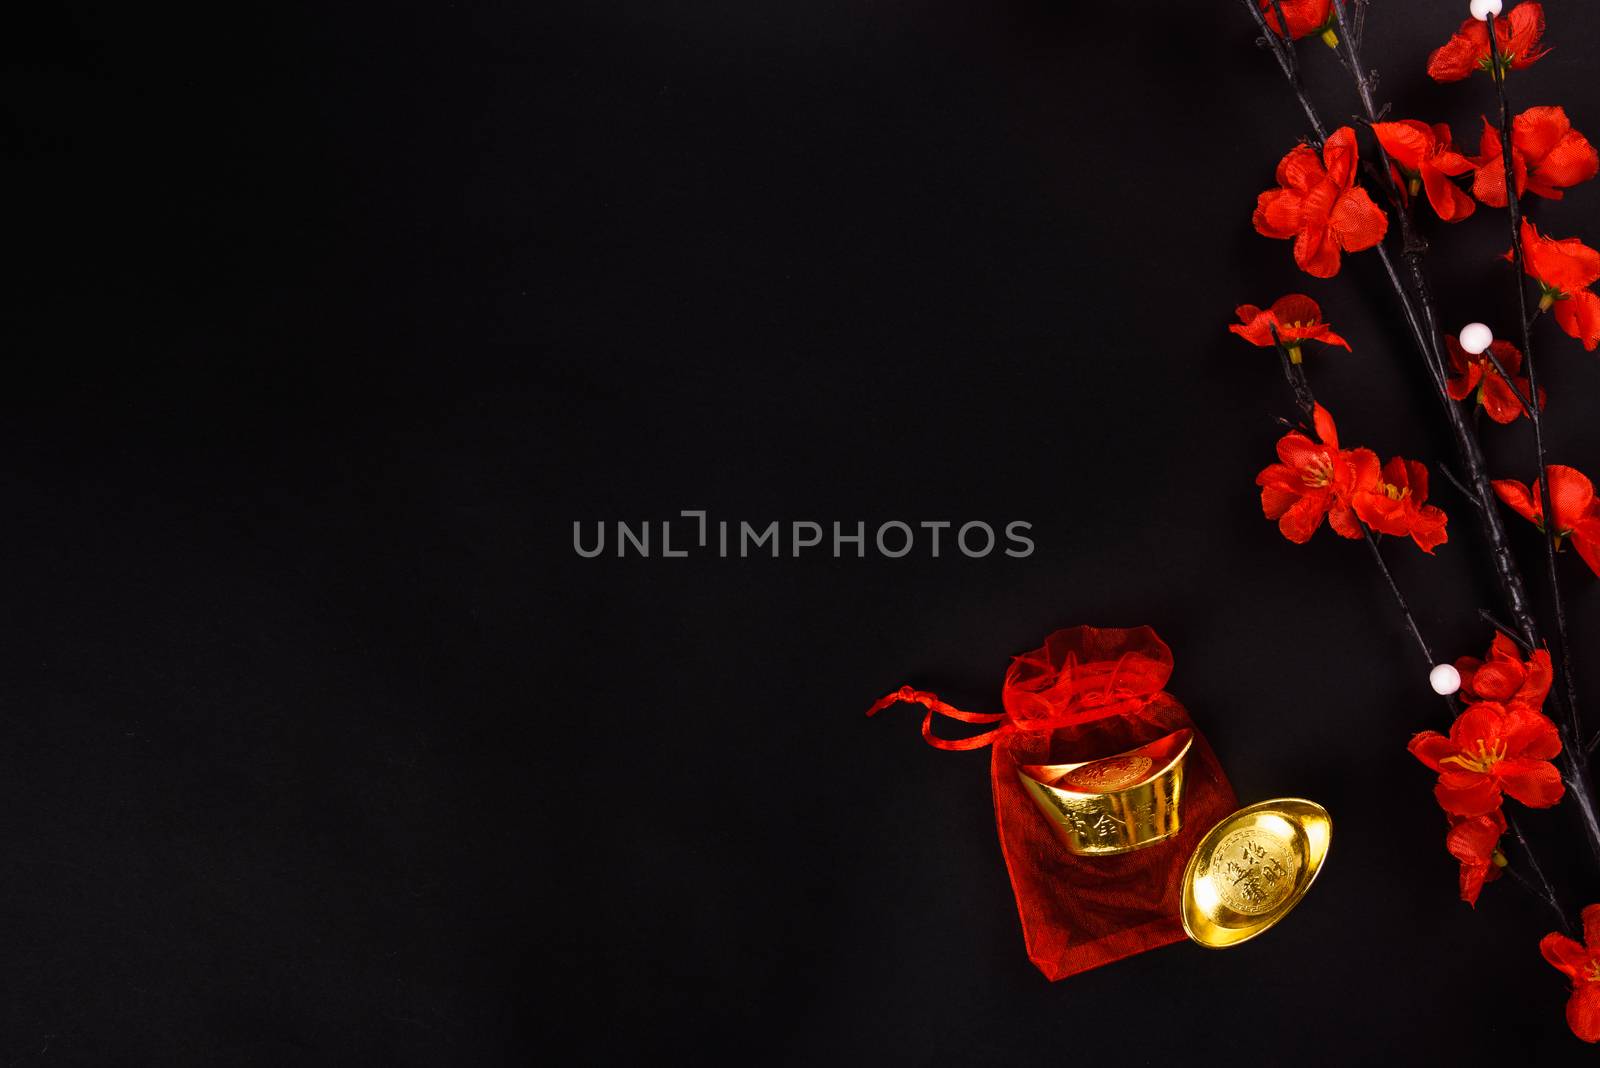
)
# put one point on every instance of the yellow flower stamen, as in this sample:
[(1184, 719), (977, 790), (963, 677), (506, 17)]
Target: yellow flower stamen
[(1319, 472), (1486, 758)]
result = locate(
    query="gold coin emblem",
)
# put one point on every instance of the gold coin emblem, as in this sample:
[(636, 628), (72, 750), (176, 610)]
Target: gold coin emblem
[(1253, 871), (1112, 773)]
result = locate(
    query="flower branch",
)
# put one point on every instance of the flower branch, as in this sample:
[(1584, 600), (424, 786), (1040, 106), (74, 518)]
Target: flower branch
[(1501, 746), (1498, 70), (1337, 471)]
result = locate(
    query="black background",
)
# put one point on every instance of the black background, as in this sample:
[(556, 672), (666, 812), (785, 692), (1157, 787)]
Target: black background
[(321, 745)]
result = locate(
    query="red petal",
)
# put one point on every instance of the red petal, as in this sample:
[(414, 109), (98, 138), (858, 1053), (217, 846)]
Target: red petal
[(1503, 648), (1458, 57), (1431, 747), (1536, 783), (1566, 264), (1489, 176), (1301, 169), (1586, 539), (1296, 308), (1464, 372), (1498, 400), (1570, 162), (1538, 130), (1328, 337), (1341, 154), (1316, 253), (1299, 451), (1483, 722), (1467, 793), (1303, 16), (1583, 1012), (1591, 925), (1357, 222), (1579, 316), (1327, 431), (1303, 518), (1498, 681), (1407, 142), (1473, 876), (1530, 735), (1342, 519), (1565, 954), (1468, 668), (1522, 30), (1571, 493), (1474, 839), (1519, 498), (1449, 202), (1540, 676), (1277, 214), (1358, 472), (1383, 514), (1275, 501), (1254, 325), (1428, 528)]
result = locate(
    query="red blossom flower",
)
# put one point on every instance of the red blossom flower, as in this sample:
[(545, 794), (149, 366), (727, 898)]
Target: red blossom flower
[(1469, 373), (1315, 481), (1427, 160), (1580, 962), (1318, 204), (1396, 503), (1296, 317), (1305, 17), (1547, 156), (1475, 842), (1504, 677), (1562, 265), (1516, 35), (1493, 748), (1579, 315), (1564, 269), (1577, 513)]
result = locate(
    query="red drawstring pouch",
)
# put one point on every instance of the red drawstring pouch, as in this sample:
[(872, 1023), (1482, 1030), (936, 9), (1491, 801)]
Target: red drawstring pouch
[(1087, 693)]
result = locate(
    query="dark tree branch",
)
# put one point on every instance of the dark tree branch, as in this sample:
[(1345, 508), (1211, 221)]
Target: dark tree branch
[(1575, 752), (1300, 384), (1542, 890), (1451, 477), (1424, 329), (1283, 52), (1295, 375), (1489, 618), (1509, 577), (1500, 369)]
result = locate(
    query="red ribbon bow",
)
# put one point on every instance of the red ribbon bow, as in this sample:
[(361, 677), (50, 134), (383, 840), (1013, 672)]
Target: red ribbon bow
[(1079, 674), (933, 704)]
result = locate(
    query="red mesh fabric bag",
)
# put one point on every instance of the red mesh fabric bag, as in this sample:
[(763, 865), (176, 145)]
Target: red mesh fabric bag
[(1086, 693)]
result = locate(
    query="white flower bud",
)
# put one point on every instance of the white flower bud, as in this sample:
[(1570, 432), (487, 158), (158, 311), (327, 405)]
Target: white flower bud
[(1444, 679), (1476, 338)]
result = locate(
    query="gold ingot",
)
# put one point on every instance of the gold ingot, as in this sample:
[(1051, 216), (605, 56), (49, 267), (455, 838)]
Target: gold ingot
[(1251, 869), (1115, 804)]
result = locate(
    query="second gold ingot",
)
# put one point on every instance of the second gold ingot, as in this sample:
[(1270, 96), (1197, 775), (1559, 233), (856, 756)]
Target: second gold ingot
[(1252, 869), (1115, 804)]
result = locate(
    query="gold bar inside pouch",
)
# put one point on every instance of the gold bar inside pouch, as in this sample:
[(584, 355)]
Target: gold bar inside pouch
[(1115, 804)]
